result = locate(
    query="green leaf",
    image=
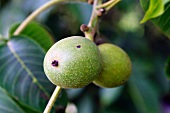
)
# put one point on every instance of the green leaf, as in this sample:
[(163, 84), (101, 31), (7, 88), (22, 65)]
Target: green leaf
[(22, 75), (7, 105), (162, 21), (167, 68), (156, 8), (26, 109), (144, 96), (37, 32)]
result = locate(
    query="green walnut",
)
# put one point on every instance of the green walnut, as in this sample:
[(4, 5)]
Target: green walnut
[(73, 62), (117, 66)]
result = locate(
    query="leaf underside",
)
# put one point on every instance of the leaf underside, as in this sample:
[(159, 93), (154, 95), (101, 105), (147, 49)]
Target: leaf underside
[(21, 72), (7, 105)]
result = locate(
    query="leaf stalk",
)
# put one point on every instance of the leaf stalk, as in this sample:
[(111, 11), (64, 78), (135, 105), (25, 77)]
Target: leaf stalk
[(37, 12), (108, 5)]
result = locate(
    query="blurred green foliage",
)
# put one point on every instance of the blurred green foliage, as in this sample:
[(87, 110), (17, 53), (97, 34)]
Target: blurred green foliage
[(147, 91)]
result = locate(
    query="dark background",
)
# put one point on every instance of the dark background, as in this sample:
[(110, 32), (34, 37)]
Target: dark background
[(147, 91)]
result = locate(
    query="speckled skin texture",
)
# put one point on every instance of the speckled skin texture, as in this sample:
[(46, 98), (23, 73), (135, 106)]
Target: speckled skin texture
[(117, 66), (79, 62)]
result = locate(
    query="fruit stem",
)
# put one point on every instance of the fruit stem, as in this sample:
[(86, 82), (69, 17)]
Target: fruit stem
[(52, 99), (37, 12), (93, 18), (93, 22)]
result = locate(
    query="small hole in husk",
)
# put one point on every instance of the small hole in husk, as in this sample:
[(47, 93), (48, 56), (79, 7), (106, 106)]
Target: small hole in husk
[(54, 63), (78, 46)]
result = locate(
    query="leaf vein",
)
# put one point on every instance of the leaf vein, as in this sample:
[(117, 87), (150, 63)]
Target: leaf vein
[(26, 68)]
